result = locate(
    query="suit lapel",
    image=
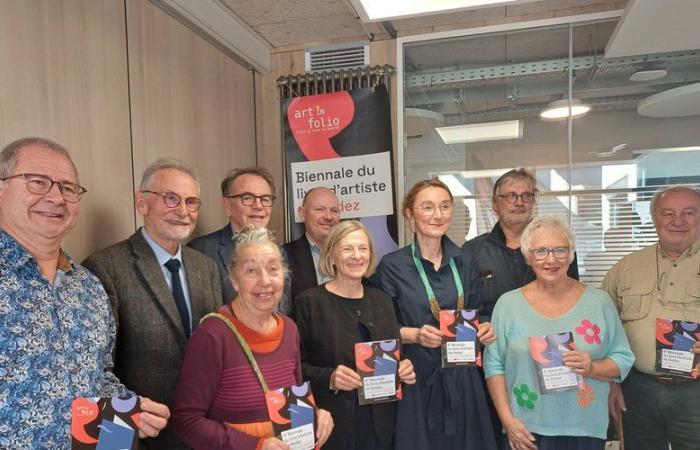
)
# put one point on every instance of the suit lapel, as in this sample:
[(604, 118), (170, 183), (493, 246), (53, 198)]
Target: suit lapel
[(225, 245), (152, 274), (198, 286), (307, 260)]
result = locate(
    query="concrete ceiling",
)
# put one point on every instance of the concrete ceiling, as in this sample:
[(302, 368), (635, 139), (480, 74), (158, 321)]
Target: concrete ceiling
[(301, 22)]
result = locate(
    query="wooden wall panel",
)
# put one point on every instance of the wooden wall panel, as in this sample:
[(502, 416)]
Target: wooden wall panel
[(64, 77), (190, 101)]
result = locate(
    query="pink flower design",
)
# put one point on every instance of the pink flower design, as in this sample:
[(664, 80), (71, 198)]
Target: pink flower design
[(589, 331)]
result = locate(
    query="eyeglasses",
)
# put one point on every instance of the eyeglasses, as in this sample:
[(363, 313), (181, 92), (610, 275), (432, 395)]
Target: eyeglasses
[(41, 185), (542, 253), (248, 199), (172, 200), (428, 208), (512, 197)]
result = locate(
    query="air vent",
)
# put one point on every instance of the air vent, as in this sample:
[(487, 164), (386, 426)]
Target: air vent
[(338, 56)]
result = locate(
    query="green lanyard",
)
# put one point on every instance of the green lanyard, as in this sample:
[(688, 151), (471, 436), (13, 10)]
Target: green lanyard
[(434, 305)]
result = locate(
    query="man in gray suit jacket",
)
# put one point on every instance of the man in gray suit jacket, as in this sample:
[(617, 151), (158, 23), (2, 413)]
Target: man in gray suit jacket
[(158, 288)]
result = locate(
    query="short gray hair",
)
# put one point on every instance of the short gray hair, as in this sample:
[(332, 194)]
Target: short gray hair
[(549, 223), (8, 155), (250, 235), (164, 164), (655, 199), (514, 174)]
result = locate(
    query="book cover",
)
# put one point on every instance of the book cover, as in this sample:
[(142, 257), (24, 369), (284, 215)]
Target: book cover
[(106, 423), (547, 352), (674, 341), (292, 411), (377, 363), (460, 347)]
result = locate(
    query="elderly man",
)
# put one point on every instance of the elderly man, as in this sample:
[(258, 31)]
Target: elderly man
[(159, 289), (502, 266), (56, 328), (248, 195), (659, 281), (320, 213)]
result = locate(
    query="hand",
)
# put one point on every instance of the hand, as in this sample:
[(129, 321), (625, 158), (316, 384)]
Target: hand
[(485, 333), (274, 444), (324, 428), (154, 417), (428, 336), (406, 373), (616, 401), (345, 379), (696, 347), (579, 362), (519, 437)]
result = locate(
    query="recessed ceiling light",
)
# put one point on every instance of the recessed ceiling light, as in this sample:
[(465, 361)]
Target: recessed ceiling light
[(480, 132), (376, 10), (648, 75), (560, 109)]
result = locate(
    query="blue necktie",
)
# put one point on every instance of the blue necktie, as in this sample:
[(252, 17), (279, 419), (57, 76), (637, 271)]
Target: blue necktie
[(179, 295)]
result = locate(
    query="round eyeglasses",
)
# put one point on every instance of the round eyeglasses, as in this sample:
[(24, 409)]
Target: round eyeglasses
[(429, 208), (172, 200), (542, 253), (41, 185)]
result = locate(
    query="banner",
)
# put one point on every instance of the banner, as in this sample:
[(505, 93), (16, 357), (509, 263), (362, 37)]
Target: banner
[(342, 141)]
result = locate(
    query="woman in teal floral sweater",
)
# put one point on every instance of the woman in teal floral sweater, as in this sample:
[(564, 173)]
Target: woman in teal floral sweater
[(567, 408)]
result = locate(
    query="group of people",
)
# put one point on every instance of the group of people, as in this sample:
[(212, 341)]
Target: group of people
[(202, 331)]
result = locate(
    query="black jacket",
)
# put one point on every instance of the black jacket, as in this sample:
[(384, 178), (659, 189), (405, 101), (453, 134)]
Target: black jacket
[(301, 265), (328, 335), (501, 269)]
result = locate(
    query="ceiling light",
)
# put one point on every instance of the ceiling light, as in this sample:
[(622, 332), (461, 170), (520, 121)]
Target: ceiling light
[(560, 109), (377, 10), (480, 132), (648, 75)]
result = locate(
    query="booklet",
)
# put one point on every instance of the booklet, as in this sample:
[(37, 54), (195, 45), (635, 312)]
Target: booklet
[(106, 423), (459, 347), (674, 341), (377, 363), (547, 352), (292, 411)]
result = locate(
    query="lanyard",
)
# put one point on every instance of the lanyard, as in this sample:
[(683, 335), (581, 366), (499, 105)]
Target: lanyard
[(434, 305)]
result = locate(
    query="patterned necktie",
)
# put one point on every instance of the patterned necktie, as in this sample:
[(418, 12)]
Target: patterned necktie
[(173, 266)]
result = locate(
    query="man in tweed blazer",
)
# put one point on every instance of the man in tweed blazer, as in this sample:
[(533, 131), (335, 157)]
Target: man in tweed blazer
[(156, 306)]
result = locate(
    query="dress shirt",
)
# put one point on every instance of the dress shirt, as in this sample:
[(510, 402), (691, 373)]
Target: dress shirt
[(646, 285), (163, 256), (56, 344), (316, 256)]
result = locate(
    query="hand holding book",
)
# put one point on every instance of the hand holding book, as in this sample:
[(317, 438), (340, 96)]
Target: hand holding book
[(579, 362), (344, 378)]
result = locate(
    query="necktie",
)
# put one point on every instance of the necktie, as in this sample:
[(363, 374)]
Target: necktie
[(173, 266)]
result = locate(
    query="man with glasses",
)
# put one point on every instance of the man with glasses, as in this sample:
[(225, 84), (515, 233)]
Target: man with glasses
[(248, 195), (320, 213), (661, 281), (56, 326), (501, 264), (159, 289)]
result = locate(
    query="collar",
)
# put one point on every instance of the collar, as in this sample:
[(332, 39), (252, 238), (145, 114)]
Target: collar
[(17, 256), (690, 251), (312, 244), (162, 255), (449, 250), (497, 235)]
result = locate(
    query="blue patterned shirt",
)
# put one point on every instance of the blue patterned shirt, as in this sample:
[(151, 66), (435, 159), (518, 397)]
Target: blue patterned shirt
[(56, 344)]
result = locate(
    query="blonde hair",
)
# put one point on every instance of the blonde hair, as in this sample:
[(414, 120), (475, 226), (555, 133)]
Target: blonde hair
[(336, 235)]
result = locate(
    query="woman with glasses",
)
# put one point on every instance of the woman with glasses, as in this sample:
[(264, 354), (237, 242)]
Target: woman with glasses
[(447, 409), (535, 325)]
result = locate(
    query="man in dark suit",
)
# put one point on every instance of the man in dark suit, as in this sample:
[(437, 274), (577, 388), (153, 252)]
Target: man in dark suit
[(248, 195), (158, 288), (320, 213)]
